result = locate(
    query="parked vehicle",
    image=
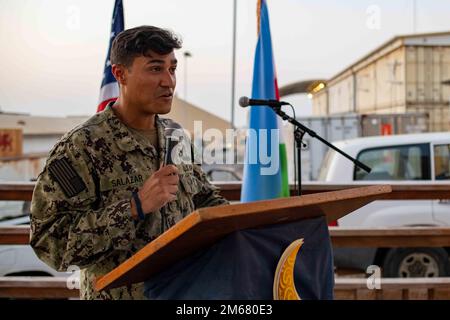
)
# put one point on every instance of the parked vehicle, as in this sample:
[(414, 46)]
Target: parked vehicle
[(415, 158), (20, 260), (350, 126), (224, 172)]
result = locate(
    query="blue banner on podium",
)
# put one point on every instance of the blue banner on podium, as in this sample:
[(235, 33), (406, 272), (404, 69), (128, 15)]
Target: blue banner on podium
[(243, 264)]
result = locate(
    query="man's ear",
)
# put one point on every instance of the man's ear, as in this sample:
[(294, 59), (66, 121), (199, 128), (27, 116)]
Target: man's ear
[(119, 72)]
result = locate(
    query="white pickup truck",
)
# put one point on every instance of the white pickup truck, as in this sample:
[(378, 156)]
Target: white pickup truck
[(416, 158)]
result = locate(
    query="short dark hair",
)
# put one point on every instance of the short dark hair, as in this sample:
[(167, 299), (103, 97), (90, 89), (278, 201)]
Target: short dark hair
[(138, 41)]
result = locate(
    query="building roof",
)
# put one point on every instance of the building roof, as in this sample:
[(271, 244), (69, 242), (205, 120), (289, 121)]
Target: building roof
[(186, 113), (304, 86), (39, 125), (422, 39), (182, 112)]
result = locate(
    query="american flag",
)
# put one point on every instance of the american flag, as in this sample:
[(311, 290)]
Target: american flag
[(109, 90)]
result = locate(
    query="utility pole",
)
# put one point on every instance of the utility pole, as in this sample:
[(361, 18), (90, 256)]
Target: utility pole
[(233, 64), (186, 54)]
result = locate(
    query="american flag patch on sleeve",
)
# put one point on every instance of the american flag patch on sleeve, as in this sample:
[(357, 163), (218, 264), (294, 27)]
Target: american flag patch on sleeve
[(66, 176)]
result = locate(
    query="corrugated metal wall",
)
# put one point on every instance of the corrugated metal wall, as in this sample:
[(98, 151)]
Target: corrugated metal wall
[(405, 80), (426, 69)]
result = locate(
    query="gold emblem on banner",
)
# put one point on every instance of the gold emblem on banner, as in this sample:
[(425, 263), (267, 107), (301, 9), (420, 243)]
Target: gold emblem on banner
[(283, 284)]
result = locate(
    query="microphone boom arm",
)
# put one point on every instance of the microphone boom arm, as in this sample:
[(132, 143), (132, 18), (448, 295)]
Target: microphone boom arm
[(313, 134)]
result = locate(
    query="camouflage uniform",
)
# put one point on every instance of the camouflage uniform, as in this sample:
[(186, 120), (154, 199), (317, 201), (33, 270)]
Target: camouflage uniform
[(80, 213)]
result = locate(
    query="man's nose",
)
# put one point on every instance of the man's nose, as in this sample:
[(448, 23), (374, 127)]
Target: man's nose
[(168, 80)]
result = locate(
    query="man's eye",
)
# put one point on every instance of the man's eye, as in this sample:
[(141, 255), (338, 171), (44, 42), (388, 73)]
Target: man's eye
[(173, 69), (155, 69)]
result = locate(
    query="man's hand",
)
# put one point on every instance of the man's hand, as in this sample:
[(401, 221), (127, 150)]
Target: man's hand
[(158, 190)]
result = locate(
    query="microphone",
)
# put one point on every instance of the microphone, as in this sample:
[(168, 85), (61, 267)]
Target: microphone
[(171, 155), (178, 147), (171, 143), (245, 102)]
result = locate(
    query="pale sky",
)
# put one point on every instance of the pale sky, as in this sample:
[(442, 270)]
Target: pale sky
[(53, 51)]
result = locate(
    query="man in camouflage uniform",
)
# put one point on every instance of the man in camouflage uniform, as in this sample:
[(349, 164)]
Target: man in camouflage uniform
[(83, 212)]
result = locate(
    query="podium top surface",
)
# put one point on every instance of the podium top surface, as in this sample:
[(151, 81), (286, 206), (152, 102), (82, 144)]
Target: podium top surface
[(205, 226)]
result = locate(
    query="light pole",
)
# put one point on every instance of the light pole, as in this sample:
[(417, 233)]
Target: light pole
[(233, 64), (186, 55)]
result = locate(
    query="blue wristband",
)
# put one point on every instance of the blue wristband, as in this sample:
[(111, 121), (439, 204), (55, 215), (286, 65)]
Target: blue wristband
[(137, 201)]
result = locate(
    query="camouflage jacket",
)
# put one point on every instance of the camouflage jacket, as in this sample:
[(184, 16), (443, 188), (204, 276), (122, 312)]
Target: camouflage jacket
[(80, 211)]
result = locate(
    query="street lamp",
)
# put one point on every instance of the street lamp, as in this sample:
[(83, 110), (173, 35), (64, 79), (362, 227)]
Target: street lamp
[(233, 63), (186, 55)]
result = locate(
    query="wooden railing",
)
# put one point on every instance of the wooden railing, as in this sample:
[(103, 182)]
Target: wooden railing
[(393, 289), (36, 287), (232, 190), (390, 237), (345, 288), (15, 235), (340, 237), (16, 190)]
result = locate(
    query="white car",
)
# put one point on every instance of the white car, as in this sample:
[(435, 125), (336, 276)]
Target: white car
[(20, 260), (415, 158)]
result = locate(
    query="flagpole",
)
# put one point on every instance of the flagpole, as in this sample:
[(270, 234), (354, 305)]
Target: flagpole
[(233, 64)]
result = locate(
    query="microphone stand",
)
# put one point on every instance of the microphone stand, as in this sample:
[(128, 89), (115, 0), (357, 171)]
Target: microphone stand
[(299, 132), (298, 137)]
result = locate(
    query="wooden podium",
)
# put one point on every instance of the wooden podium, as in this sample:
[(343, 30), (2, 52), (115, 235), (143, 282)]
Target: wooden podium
[(204, 227)]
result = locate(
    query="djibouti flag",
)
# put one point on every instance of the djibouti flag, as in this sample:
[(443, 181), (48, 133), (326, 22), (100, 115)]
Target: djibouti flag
[(265, 168)]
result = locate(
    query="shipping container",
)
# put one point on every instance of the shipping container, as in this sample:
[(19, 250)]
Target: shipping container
[(407, 74)]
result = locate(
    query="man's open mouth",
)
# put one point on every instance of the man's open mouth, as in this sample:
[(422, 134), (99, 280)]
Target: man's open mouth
[(167, 95)]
